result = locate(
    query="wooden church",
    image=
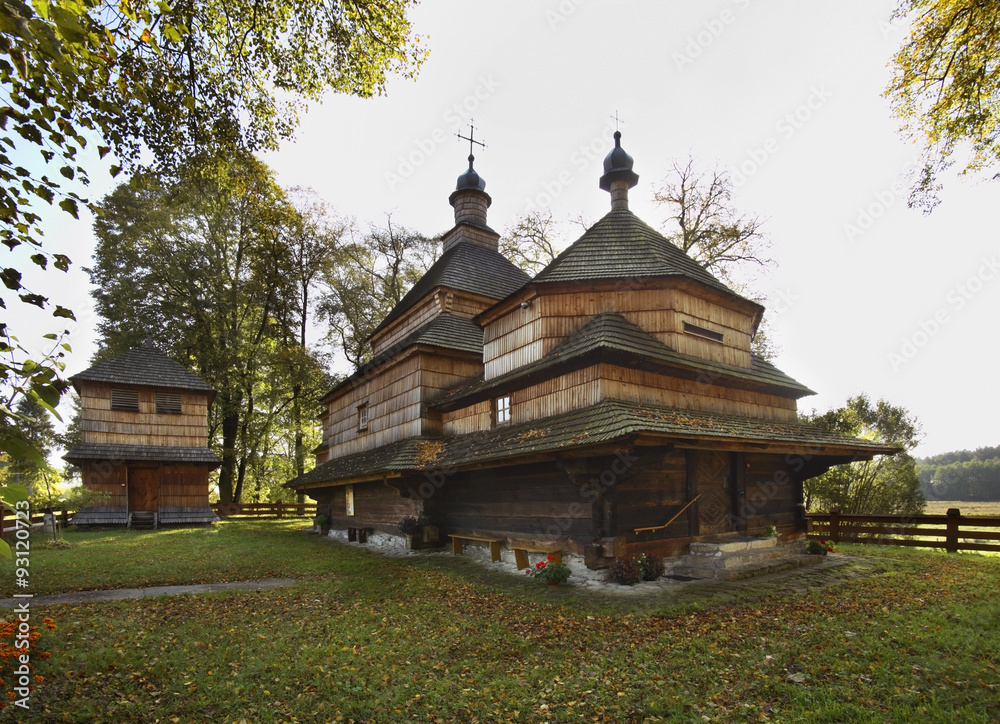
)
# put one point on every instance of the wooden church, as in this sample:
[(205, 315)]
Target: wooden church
[(144, 428), (608, 406)]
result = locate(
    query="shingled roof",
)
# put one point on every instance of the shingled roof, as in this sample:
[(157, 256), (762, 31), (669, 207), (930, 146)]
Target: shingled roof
[(606, 422), (465, 267), (144, 366), (621, 245), (141, 453), (616, 339), (446, 331)]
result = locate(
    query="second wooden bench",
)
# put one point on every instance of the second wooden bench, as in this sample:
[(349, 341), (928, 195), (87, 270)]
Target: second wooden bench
[(458, 545)]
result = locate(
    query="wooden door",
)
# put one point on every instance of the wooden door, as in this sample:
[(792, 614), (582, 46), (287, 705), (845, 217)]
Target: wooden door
[(143, 489), (713, 479)]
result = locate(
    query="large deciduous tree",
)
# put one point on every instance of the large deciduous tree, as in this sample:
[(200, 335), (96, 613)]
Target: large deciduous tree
[(531, 242), (372, 273), (945, 88), (214, 266), (887, 484), (175, 80)]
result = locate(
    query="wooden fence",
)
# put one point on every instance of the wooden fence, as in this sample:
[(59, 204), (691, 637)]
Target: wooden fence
[(263, 510), (954, 532), (7, 524)]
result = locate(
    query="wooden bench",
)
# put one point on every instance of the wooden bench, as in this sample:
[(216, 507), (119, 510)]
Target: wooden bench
[(458, 545), (521, 554)]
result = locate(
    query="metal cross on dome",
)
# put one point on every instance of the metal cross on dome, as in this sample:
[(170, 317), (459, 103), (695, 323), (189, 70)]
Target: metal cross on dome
[(617, 119), (471, 137)]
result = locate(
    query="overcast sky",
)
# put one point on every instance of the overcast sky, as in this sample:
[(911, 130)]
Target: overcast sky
[(866, 295)]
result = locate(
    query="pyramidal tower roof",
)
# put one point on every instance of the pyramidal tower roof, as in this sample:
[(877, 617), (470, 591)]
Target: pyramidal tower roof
[(470, 259), (621, 245), (145, 365)]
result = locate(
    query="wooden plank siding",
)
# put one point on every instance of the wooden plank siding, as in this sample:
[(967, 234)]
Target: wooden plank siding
[(108, 479), (630, 385), (473, 418), (393, 400), (396, 398), (101, 424), (183, 485), (522, 336), (590, 385)]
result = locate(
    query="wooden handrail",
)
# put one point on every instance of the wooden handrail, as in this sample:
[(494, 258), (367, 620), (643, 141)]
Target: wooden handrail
[(661, 527)]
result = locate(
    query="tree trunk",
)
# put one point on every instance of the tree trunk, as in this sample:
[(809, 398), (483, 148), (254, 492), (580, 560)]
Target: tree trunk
[(227, 473)]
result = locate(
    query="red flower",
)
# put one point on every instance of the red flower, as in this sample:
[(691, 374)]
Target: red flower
[(829, 549), (551, 558)]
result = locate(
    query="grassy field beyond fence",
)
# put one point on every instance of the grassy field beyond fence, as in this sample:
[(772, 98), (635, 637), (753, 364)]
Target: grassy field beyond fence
[(893, 635)]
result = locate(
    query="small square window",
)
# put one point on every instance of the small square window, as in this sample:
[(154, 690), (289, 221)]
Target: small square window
[(363, 417), (125, 400), (502, 408), (349, 497), (168, 403)]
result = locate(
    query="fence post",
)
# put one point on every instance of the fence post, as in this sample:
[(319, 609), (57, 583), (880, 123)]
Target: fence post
[(279, 508), (65, 518), (951, 535), (835, 525)]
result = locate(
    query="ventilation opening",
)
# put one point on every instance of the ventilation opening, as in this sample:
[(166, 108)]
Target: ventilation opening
[(125, 400), (697, 331), (168, 403)]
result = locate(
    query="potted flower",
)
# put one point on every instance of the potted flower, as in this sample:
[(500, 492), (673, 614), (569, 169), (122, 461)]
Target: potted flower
[(819, 547), (550, 572), (322, 524)]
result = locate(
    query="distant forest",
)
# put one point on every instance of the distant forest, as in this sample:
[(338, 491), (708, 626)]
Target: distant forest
[(961, 475)]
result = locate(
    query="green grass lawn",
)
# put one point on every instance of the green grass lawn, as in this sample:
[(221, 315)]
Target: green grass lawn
[(895, 635)]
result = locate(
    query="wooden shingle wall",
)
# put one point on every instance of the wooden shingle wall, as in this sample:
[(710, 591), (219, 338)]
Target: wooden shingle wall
[(396, 396), (100, 424), (522, 336)]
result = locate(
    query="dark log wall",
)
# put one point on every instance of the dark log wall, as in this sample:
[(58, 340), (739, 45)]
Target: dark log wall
[(773, 493), (531, 502), (376, 506), (653, 496)]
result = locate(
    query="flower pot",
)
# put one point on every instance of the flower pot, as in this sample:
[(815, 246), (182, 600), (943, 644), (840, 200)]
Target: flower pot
[(553, 584), (431, 534)]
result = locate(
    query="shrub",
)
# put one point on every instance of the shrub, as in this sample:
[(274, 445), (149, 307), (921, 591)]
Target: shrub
[(819, 547), (411, 525), (650, 566), (625, 572), (550, 571)]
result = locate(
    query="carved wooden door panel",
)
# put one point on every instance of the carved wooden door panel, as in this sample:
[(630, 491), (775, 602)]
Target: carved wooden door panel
[(713, 474), (143, 489)]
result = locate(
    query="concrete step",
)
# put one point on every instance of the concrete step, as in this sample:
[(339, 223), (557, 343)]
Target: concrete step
[(732, 545)]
